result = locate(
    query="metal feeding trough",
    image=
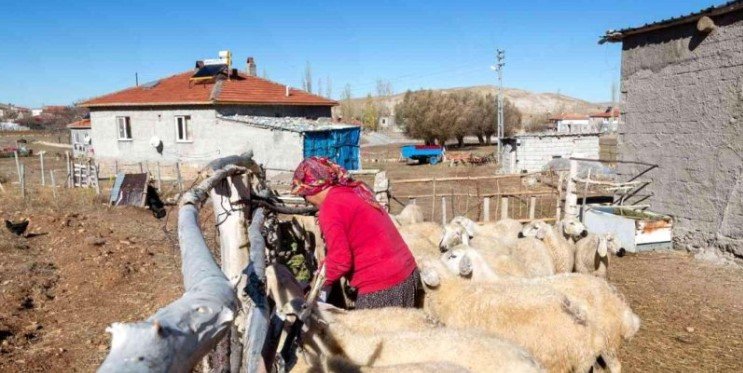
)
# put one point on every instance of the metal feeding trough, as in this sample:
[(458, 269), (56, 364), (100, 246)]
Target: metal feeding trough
[(636, 230)]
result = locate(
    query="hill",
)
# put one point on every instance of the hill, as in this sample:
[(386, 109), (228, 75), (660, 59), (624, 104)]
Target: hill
[(534, 106)]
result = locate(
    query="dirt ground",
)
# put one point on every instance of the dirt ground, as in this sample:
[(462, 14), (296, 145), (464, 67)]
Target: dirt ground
[(90, 265)]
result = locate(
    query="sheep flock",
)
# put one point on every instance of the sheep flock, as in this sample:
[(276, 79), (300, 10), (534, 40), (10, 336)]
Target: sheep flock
[(496, 297)]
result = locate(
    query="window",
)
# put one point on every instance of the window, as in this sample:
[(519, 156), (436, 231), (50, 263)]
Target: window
[(183, 128), (125, 128)]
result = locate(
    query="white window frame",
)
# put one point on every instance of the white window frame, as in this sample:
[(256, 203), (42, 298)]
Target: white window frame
[(187, 133), (127, 122)]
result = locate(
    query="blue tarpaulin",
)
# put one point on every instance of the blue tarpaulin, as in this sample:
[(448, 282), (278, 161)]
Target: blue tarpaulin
[(340, 145)]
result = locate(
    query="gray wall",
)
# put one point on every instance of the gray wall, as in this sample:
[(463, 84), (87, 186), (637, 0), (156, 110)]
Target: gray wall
[(312, 112), (211, 138), (534, 152), (683, 102)]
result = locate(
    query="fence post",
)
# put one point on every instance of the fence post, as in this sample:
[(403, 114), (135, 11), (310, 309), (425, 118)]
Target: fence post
[(532, 207), (559, 196), (17, 165), (411, 201), (23, 180), (571, 198), (116, 167), (43, 176), (504, 208), (54, 185), (159, 178), (443, 210), (69, 173), (88, 174), (141, 168), (486, 209), (95, 180), (178, 174), (381, 189), (433, 201)]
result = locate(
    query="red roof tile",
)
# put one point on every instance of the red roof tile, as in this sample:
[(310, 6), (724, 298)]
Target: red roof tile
[(606, 113), (568, 116), (178, 89), (80, 124)]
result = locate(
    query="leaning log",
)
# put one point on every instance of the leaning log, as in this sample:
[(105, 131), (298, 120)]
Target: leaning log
[(177, 336)]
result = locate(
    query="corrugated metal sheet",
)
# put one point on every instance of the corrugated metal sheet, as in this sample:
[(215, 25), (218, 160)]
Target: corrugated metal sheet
[(132, 190), (340, 145)]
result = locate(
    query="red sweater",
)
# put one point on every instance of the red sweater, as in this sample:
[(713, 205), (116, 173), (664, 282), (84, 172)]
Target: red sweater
[(362, 240)]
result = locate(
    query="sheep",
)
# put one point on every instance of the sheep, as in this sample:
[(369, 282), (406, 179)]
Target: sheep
[(456, 234), (411, 214), (431, 231), (571, 228), (609, 313), (336, 364), (506, 230), (549, 325), (420, 246), (592, 254), (533, 256), (476, 351), (491, 266), (561, 251)]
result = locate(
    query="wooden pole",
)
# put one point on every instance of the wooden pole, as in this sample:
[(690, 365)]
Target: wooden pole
[(87, 174), (116, 167), (532, 207), (23, 181), (95, 180), (69, 174), (443, 210), (504, 208), (559, 196), (453, 211), (178, 175), (571, 198), (141, 168), (54, 185), (159, 178), (486, 209), (585, 192), (433, 201), (43, 175), (17, 165)]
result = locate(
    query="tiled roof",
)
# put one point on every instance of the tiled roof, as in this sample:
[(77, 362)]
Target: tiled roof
[(617, 35), (608, 113), (80, 124), (179, 90)]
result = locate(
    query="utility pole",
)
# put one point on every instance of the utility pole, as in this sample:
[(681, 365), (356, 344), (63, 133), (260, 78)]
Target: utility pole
[(500, 57)]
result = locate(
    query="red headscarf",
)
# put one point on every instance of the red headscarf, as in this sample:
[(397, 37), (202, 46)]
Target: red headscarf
[(315, 174)]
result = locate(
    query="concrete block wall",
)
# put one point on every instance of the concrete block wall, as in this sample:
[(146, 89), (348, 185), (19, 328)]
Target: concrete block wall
[(211, 138), (683, 102), (534, 152)]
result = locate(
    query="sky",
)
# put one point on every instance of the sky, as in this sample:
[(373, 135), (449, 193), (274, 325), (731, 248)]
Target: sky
[(57, 52)]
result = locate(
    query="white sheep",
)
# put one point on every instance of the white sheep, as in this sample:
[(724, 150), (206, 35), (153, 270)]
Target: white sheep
[(571, 228), (411, 214), (561, 251), (457, 234), (505, 230), (548, 324), (534, 257), (337, 364), (420, 246), (490, 266), (431, 231), (592, 254), (606, 309)]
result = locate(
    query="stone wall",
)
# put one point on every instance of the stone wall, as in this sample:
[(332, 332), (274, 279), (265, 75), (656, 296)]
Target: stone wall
[(683, 102), (533, 152)]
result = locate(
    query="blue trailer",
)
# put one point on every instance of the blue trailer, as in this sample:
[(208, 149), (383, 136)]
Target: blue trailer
[(431, 154)]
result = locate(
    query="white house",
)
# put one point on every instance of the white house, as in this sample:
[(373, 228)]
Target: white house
[(532, 151), (572, 123), (196, 116), (80, 138)]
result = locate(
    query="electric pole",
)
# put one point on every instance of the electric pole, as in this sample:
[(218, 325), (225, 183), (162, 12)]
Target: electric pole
[(500, 57)]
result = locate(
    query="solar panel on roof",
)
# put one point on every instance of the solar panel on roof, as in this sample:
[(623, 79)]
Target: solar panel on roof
[(209, 71)]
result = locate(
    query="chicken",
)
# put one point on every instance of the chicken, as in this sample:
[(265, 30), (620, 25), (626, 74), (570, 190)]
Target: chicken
[(17, 229)]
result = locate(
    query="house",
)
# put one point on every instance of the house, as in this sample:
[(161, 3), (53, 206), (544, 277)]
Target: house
[(13, 112), (212, 111), (571, 123), (682, 90), (80, 138), (531, 152), (607, 120)]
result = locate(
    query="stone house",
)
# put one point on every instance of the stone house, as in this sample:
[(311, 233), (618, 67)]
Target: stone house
[(191, 119), (607, 120), (531, 152), (682, 90)]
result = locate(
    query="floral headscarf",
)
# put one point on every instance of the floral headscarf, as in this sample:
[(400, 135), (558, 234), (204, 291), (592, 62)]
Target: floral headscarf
[(315, 174)]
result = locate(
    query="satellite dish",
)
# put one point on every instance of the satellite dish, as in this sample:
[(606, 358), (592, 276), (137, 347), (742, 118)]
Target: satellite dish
[(156, 143)]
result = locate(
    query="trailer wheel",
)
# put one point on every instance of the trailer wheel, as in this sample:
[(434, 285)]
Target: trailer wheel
[(433, 160)]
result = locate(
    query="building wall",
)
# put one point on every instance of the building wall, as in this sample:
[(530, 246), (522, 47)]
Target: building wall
[(534, 152), (211, 138), (683, 98), (312, 112), (77, 139)]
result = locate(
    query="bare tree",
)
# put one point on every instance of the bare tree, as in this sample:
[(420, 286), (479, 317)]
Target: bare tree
[(347, 109), (384, 88), (319, 86), (307, 81), (328, 87)]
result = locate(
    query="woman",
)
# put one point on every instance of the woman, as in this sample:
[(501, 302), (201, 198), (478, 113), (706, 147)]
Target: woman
[(361, 239)]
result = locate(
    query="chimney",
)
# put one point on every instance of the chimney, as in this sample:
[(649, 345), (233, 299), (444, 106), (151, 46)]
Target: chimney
[(287, 91), (251, 67)]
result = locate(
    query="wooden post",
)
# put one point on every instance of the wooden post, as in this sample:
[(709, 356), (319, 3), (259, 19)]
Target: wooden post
[(69, 171), (97, 185), (116, 167), (443, 210), (87, 174), (559, 196), (571, 198), (159, 178), (178, 175), (141, 168), (585, 192), (532, 207), (433, 201), (23, 181), (486, 209), (43, 175), (411, 201), (504, 208), (453, 211), (54, 185), (17, 165)]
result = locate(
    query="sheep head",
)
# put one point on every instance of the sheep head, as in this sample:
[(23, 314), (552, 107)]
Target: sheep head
[(468, 224), (572, 228), (454, 234), (537, 229), (458, 262)]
